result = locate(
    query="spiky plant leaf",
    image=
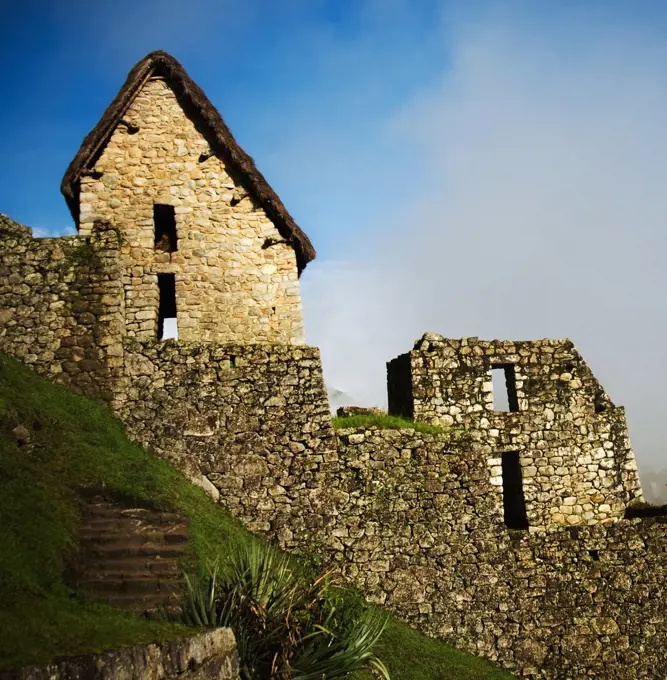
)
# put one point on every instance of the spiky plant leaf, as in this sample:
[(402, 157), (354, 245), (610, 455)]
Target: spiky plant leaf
[(329, 657), (287, 626)]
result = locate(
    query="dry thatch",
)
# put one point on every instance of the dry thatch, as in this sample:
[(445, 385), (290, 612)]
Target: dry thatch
[(210, 122)]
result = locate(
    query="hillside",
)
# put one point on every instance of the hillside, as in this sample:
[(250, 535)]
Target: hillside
[(54, 445)]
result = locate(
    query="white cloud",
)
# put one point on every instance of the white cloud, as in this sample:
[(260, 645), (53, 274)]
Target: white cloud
[(348, 315), (41, 232), (542, 213)]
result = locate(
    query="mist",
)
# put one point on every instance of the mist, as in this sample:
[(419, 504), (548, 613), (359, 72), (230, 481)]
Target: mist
[(531, 204)]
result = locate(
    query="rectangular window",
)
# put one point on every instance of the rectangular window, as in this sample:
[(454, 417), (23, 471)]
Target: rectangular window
[(164, 219), (504, 388), (514, 503), (166, 323)]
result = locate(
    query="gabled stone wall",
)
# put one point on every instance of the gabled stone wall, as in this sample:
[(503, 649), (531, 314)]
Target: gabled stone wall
[(236, 278), (576, 461)]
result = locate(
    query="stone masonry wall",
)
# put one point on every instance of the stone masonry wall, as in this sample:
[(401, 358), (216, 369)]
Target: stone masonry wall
[(208, 656), (61, 305), (574, 450), (248, 421), (417, 526), (236, 278), (419, 529)]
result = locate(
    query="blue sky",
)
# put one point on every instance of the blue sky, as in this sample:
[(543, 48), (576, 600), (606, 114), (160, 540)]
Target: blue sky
[(470, 168), (327, 71)]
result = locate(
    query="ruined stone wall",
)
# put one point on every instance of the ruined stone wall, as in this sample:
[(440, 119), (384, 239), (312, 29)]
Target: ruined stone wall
[(61, 305), (576, 460), (416, 525), (252, 420), (419, 529), (236, 278)]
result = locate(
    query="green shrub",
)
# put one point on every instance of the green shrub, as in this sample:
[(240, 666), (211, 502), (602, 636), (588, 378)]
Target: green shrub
[(287, 624)]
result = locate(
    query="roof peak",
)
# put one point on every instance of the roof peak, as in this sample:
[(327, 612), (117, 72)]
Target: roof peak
[(221, 139)]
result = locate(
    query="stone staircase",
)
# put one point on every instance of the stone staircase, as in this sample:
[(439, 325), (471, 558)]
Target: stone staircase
[(129, 555)]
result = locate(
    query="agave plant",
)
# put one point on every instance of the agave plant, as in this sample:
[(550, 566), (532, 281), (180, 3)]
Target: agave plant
[(199, 607), (287, 626)]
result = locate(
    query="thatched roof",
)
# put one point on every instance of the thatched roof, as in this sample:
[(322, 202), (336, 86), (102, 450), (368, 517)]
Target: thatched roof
[(212, 126)]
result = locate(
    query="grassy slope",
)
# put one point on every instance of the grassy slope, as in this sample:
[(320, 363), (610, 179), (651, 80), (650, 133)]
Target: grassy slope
[(76, 443)]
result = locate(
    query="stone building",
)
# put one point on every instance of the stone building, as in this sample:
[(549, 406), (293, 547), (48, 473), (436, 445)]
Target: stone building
[(175, 221), (557, 448), (205, 241)]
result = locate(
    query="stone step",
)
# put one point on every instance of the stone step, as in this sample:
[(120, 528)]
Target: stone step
[(118, 566), (147, 534), (129, 556), (138, 586), (133, 547), (109, 510), (99, 521)]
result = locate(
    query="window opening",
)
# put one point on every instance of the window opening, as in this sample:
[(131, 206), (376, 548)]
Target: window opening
[(166, 323), (514, 503), (504, 388), (164, 219)]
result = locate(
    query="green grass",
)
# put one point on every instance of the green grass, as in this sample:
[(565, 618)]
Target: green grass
[(409, 655), (77, 444), (385, 422)]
